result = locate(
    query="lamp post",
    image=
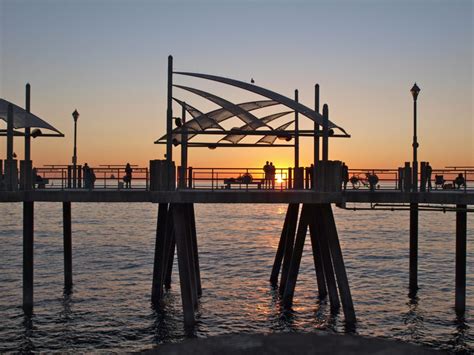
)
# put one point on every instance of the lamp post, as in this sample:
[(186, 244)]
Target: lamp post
[(75, 115), (415, 90)]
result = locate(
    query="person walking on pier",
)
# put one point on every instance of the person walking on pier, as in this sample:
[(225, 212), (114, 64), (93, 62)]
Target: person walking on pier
[(128, 176), (271, 170), (266, 174), (345, 175), (86, 172), (428, 170)]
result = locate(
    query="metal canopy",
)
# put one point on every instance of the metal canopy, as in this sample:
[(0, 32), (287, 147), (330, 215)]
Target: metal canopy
[(286, 101), (24, 119)]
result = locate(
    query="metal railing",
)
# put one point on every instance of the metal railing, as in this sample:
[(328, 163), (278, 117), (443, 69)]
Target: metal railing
[(112, 177)]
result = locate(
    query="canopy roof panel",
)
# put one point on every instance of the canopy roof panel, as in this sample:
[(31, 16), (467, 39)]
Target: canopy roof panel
[(22, 118), (304, 110)]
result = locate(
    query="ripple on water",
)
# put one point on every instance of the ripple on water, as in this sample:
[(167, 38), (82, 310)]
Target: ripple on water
[(113, 248)]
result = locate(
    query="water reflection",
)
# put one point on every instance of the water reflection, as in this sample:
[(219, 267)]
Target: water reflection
[(27, 344)]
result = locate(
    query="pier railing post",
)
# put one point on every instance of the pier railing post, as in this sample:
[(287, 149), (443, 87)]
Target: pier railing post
[(461, 244), (67, 244), (28, 237)]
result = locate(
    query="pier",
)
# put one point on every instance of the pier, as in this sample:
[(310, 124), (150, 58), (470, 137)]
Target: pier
[(310, 193)]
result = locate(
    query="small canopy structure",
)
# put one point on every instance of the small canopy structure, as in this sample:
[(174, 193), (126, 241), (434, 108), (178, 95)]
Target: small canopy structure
[(25, 119)]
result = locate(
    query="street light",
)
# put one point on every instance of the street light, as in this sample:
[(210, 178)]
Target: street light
[(415, 90), (75, 115)]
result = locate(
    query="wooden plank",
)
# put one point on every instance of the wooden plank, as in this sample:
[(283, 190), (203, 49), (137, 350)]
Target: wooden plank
[(179, 222), (279, 253), (296, 257), (289, 242), (338, 263)]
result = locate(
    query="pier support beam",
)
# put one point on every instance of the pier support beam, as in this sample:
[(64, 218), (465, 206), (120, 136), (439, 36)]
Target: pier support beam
[(280, 250), (184, 263), (67, 244), (159, 266), (324, 238), (28, 233), (461, 244), (413, 249), (293, 209)]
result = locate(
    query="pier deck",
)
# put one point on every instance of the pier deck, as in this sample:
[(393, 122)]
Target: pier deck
[(240, 196)]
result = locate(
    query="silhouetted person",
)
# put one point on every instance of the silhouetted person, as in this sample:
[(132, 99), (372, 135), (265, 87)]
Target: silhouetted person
[(86, 170), (428, 170), (272, 170), (128, 176), (345, 175), (373, 180), (459, 181), (92, 178), (266, 173)]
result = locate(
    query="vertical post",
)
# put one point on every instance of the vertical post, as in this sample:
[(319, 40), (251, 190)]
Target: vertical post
[(28, 233), (159, 265), (325, 132), (10, 133), (293, 210), (74, 159), (338, 262), (179, 222), (316, 136), (296, 257), (317, 257), (27, 129), (461, 244), (184, 148), (67, 235), (297, 137), (413, 248), (169, 113), (281, 248), (415, 147), (192, 221)]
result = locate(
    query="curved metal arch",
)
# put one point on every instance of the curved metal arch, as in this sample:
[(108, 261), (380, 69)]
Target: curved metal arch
[(304, 110), (244, 115), (236, 138)]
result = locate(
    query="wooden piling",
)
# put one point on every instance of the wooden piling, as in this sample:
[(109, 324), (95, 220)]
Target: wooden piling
[(28, 234), (67, 244), (190, 253), (413, 248), (317, 258), (338, 263), (293, 210), (159, 266), (461, 244), (179, 222), (195, 249), (294, 268), (329, 275), (170, 246), (280, 250)]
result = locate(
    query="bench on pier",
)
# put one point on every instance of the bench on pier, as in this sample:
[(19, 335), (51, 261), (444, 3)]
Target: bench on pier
[(245, 179), (41, 183)]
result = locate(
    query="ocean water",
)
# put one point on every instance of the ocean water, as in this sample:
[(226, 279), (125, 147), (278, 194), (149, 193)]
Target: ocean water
[(113, 245)]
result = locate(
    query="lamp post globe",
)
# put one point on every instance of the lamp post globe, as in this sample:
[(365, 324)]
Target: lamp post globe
[(75, 115)]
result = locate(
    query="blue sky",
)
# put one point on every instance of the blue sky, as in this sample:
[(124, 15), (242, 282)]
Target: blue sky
[(108, 59)]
